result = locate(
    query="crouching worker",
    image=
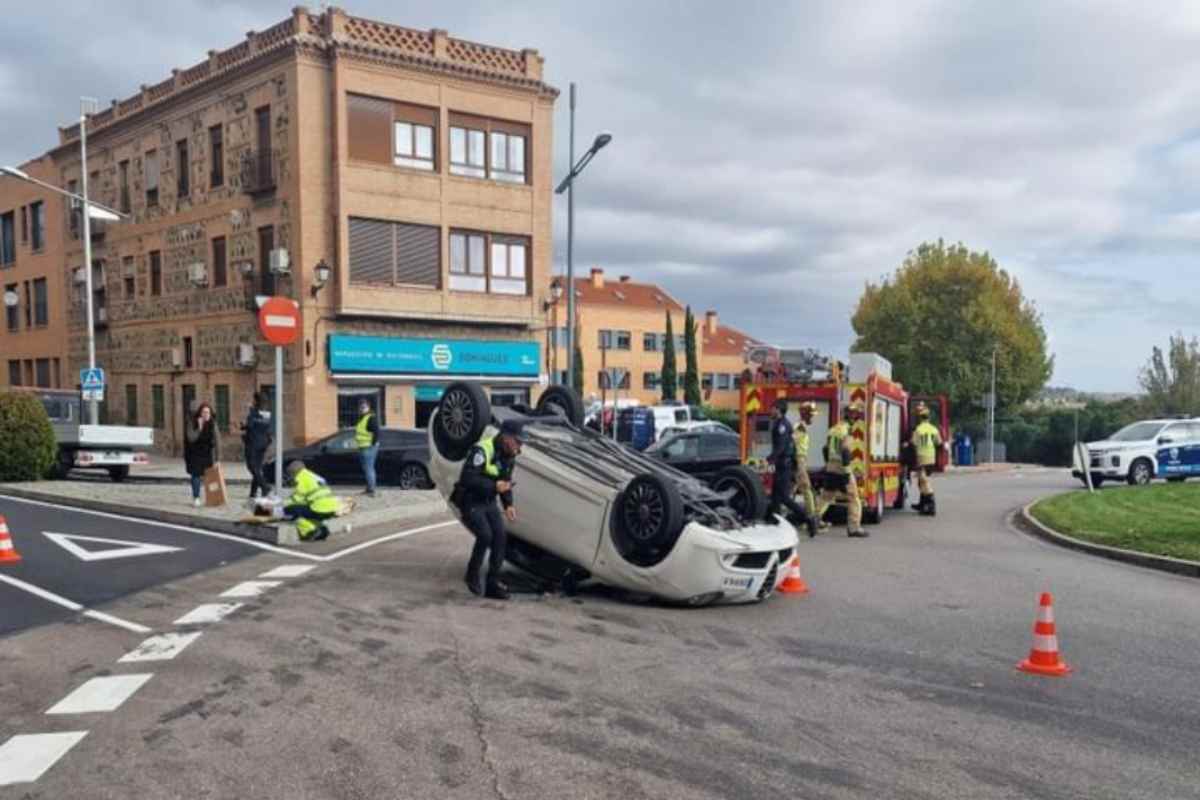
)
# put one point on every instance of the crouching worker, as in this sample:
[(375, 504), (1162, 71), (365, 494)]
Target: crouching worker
[(486, 475), (310, 504)]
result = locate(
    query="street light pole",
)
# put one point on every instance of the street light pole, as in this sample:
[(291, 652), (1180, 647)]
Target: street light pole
[(84, 105), (570, 249)]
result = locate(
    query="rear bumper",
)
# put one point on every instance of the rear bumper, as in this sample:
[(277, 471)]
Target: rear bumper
[(109, 458)]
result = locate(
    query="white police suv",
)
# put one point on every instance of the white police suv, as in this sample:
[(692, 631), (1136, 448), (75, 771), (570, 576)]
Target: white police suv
[(1133, 454)]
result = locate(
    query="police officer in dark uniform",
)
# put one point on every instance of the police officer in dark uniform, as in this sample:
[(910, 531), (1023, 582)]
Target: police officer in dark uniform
[(486, 475), (783, 458)]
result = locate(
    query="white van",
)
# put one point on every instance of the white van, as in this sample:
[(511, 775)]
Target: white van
[(1131, 454), (673, 415)]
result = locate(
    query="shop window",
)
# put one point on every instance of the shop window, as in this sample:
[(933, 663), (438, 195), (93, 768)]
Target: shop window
[(348, 398)]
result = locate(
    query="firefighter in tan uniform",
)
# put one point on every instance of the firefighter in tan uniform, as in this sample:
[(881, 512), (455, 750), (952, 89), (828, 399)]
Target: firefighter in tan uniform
[(838, 472), (804, 487), (926, 439)]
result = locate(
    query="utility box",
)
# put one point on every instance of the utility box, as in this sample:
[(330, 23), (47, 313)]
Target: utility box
[(863, 364)]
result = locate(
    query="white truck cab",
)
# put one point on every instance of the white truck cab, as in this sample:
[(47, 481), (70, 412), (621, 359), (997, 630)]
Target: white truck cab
[(1131, 454)]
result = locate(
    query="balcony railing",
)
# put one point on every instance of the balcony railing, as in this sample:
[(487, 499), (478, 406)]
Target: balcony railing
[(259, 172)]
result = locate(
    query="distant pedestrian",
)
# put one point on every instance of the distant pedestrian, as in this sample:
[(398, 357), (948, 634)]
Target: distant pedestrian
[(256, 436), (366, 436), (201, 447), (926, 441)]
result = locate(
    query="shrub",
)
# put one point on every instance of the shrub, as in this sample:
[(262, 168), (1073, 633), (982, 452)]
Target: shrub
[(727, 416), (27, 446)]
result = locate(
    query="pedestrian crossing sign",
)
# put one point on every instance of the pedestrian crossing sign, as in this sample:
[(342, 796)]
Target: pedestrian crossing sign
[(91, 379)]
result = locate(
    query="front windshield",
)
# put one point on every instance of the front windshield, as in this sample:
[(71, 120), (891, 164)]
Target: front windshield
[(1137, 432)]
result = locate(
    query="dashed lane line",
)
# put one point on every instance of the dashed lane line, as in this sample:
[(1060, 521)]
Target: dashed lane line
[(250, 589), (163, 647), (25, 758), (106, 693), (208, 613), (288, 571), (99, 616)]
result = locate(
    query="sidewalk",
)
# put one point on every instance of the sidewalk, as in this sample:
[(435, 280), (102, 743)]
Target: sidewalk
[(171, 468), (984, 469)]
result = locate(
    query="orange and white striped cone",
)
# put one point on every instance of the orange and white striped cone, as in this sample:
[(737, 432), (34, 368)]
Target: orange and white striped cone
[(1043, 657), (792, 582), (8, 553)]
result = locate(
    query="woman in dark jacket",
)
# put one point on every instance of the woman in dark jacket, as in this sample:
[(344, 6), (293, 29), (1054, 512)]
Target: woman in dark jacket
[(201, 448)]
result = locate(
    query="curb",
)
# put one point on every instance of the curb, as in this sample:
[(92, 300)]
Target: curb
[(1177, 566), (271, 534)]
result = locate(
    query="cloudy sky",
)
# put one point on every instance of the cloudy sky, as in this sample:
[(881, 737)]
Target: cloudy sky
[(770, 157)]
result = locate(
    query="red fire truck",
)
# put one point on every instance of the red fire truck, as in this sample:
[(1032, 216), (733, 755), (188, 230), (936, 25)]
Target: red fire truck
[(879, 447)]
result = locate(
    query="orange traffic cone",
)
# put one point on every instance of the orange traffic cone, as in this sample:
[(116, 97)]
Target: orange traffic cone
[(793, 583), (1043, 657), (8, 553)]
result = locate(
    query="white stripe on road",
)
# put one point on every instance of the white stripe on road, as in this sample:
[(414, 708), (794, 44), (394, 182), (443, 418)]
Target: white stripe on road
[(389, 538), (250, 588), (163, 647), (208, 613), (288, 571), (23, 759), (100, 694), (72, 605)]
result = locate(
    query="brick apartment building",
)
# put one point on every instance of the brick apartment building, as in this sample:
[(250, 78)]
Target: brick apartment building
[(415, 165), (623, 327)]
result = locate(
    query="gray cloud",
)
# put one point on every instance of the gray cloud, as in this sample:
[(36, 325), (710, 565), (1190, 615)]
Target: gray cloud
[(770, 158)]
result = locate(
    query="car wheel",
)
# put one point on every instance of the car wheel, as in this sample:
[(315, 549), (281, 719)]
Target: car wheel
[(647, 519), (118, 474), (462, 415), (749, 500), (413, 476), (874, 514), (1141, 473), (561, 400)]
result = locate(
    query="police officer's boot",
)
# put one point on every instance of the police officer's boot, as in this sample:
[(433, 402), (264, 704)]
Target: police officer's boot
[(930, 506), (473, 582), (920, 505), (813, 525), (496, 589)]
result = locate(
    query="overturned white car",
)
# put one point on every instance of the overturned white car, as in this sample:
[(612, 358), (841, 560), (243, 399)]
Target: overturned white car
[(590, 508)]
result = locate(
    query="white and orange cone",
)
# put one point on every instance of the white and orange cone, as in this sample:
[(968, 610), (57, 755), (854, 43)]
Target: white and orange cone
[(8, 553), (792, 582), (1044, 658)]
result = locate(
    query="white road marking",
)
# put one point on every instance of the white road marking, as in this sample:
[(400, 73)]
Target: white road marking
[(270, 548), (67, 541), (288, 571), (23, 759), (250, 588), (101, 694), (72, 605), (205, 614), (163, 647)]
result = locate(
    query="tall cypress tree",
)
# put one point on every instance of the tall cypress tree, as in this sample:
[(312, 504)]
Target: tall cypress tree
[(691, 378), (669, 376)]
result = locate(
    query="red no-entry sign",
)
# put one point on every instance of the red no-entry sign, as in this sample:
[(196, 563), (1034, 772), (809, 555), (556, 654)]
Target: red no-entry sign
[(279, 321)]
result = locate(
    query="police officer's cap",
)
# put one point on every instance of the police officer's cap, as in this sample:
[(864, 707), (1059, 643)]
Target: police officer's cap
[(781, 405), (513, 428)]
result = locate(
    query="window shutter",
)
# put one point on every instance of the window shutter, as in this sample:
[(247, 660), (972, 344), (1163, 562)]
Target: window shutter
[(369, 128), (371, 252), (418, 252)]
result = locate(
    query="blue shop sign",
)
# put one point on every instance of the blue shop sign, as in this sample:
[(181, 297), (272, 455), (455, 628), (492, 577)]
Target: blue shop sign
[(381, 355), (1179, 460), (428, 394)]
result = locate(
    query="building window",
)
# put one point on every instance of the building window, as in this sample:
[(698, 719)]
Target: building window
[(219, 271), (131, 404), (737, 381), (614, 340), (606, 339), (187, 352), (508, 158), (57, 374), (12, 313), (74, 207), (123, 177), (724, 381), (28, 372), (37, 224), (468, 156), (41, 303), (651, 380), (130, 287), (8, 238), (14, 372), (221, 399), (28, 306), (624, 340), (558, 337), (650, 342), (386, 253), (216, 157), (24, 224), (155, 273), (706, 381), (158, 403), (509, 265), (182, 169), (413, 145), (266, 243), (152, 179), (42, 373), (468, 262)]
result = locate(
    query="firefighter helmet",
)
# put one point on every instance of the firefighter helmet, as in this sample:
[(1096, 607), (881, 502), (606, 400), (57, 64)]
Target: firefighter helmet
[(922, 411), (808, 407), (855, 408)]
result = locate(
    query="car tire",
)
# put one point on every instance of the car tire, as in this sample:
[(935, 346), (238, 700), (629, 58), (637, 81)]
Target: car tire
[(413, 476), (561, 400), (750, 499), (463, 414), (1141, 473), (118, 474), (874, 514), (647, 518)]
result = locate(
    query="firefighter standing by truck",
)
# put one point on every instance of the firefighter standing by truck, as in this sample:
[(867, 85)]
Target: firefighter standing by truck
[(926, 440), (804, 487), (839, 474)]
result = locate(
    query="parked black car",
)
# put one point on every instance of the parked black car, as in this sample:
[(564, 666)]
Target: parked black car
[(702, 453), (403, 458)]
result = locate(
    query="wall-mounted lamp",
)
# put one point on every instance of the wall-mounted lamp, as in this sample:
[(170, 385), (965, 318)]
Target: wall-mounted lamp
[(321, 274), (246, 268), (11, 299), (556, 291)]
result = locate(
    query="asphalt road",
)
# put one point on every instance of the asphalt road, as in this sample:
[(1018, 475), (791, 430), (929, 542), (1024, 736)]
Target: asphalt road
[(377, 675)]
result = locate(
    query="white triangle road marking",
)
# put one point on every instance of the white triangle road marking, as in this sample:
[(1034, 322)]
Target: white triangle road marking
[(123, 549)]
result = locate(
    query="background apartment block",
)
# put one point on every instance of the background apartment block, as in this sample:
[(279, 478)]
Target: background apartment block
[(415, 165), (623, 327)]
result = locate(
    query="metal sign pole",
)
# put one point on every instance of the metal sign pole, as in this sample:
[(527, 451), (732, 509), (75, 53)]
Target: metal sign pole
[(279, 421)]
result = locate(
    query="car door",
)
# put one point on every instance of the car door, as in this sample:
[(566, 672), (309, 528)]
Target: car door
[(338, 458), (683, 453), (717, 451)]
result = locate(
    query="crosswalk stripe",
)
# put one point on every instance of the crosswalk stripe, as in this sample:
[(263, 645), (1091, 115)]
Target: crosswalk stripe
[(100, 694), (25, 758)]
